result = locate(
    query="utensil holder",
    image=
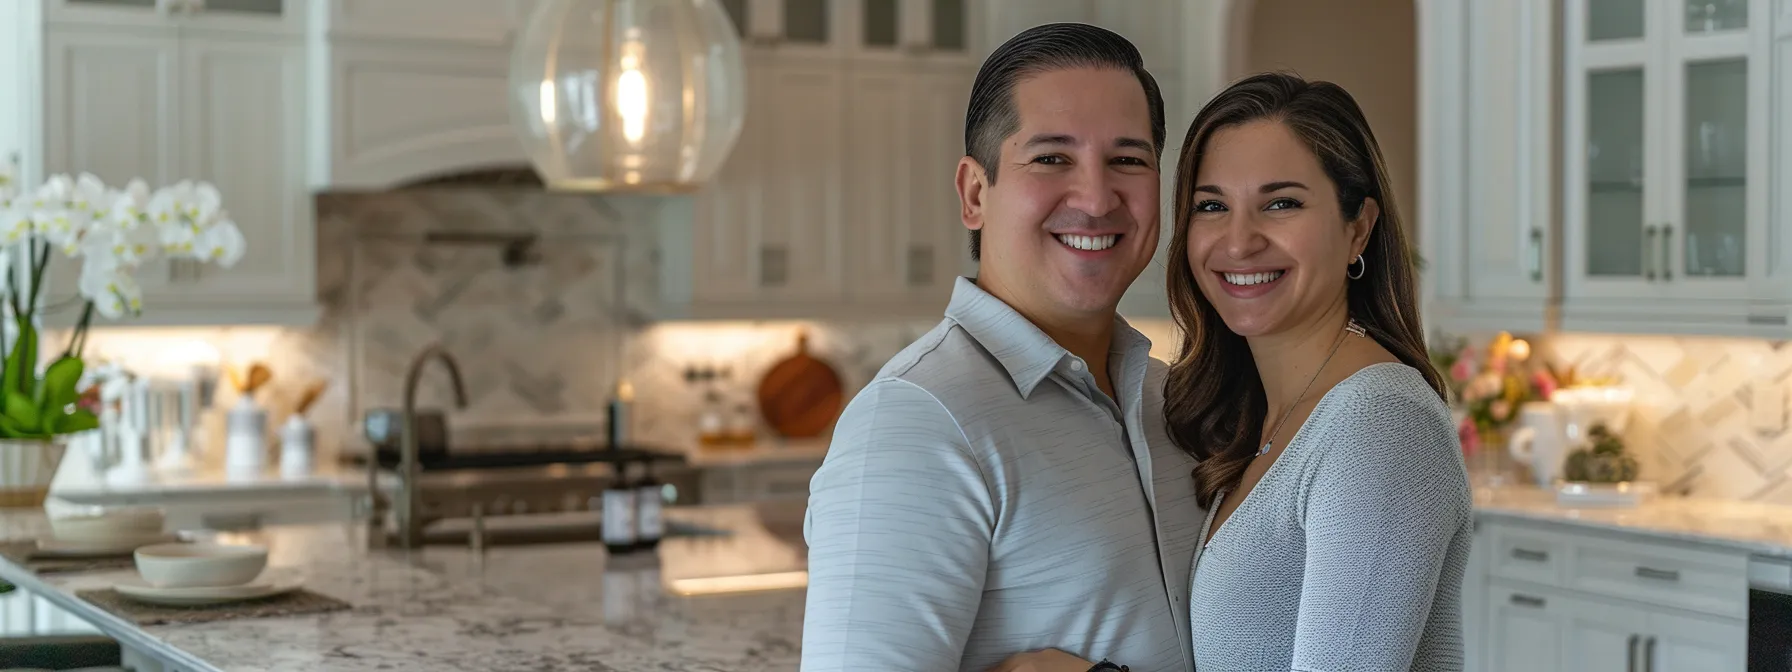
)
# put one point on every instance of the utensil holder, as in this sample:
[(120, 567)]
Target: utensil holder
[(245, 442)]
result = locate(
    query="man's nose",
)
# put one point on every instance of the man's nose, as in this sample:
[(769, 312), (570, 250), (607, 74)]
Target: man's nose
[(1094, 192)]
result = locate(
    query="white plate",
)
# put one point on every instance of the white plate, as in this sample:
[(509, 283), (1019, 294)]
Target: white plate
[(137, 589), (98, 548)]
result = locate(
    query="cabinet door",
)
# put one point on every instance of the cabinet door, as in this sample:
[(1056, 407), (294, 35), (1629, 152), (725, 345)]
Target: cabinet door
[(905, 242), (110, 109), (1613, 139), (1602, 637), (1713, 216), (242, 113), (798, 247), (1524, 630), (1681, 643), (729, 209), (1004, 19), (1508, 210)]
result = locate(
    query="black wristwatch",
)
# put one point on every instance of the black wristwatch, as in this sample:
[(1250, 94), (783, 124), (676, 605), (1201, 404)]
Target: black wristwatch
[(1106, 664)]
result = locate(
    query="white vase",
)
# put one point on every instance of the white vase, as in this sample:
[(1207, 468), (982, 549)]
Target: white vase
[(27, 466)]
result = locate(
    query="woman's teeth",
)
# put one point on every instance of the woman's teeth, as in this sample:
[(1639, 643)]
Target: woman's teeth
[(1248, 279), (1090, 243)]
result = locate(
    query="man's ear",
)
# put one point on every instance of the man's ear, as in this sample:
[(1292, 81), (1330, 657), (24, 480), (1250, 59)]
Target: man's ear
[(971, 181)]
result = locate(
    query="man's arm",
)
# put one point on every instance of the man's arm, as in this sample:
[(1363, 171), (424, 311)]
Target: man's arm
[(899, 524)]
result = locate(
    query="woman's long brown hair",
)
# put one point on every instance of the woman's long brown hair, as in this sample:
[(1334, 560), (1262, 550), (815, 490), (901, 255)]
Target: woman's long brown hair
[(1213, 399)]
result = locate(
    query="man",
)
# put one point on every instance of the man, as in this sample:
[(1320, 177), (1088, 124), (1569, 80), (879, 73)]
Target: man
[(1005, 484)]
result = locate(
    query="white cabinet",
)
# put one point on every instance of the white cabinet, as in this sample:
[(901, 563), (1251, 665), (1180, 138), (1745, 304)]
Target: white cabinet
[(1619, 178), (1486, 223), (169, 103), (1561, 600), (489, 22), (1666, 165)]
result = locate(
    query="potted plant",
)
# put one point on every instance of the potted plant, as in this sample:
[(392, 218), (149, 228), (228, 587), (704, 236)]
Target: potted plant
[(110, 233)]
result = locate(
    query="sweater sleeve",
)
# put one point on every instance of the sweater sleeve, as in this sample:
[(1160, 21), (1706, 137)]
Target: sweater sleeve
[(1382, 502), (899, 525)]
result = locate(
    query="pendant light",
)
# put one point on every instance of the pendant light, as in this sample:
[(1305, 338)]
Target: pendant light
[(627, 95)]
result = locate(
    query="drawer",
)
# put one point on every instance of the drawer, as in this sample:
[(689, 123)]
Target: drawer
[(1705, 581), (1525, 554), (779, 482)]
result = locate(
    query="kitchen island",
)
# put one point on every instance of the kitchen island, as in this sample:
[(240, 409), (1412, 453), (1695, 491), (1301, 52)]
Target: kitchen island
[(725, 596)]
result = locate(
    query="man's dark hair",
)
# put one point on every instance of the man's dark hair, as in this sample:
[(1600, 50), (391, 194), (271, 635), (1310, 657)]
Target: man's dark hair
[(992, 116)]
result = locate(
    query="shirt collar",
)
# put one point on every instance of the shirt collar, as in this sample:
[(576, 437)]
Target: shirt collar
[(1026, 352)]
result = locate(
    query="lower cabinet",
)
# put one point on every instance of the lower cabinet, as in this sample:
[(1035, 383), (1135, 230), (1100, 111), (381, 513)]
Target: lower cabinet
[(1558, 601)]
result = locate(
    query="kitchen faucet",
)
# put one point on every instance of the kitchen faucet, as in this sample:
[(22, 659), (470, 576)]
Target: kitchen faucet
[(410, 531)]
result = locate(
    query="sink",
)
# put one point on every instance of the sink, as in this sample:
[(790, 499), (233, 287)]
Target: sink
[(563, 528)]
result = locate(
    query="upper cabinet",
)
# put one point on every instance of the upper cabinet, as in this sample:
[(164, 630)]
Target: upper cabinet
[(138, 90), (1621, 178)]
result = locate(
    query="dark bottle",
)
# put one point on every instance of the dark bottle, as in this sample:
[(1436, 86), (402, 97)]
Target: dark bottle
[(619, 512), (649, 526)]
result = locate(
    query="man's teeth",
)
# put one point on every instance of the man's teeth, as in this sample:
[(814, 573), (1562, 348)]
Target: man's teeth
[(1252, 278), (1090, 243)]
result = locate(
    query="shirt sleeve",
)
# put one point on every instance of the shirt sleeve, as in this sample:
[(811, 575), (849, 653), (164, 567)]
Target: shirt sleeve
[(899, 525), (1383, 503)]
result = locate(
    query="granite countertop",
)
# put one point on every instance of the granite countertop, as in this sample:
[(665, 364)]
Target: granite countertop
[(538, 608), (1761, 529)]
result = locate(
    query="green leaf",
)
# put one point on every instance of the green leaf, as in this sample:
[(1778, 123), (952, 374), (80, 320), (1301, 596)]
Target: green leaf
[(79, 421), (57, 389), (15, 360), (21, 411)]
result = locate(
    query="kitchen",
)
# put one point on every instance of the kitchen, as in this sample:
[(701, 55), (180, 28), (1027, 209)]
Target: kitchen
[(389, 203)]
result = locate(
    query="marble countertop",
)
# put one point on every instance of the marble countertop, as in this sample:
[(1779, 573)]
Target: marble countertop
[(539, 608), (1761, 529)]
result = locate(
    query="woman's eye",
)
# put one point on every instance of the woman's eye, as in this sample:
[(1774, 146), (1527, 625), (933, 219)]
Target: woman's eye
[(1210, 206), (1283, 204)]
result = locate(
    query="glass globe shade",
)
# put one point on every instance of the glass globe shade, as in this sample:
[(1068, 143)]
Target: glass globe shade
[(627, 95)]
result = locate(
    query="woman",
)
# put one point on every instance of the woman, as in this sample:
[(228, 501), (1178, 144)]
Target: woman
[(1339, 509)]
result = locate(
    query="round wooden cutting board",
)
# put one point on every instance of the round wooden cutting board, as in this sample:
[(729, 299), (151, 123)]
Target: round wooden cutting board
[(800, 396)]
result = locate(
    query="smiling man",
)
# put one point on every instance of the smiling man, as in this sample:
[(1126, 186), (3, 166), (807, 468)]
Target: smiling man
[(1005, 483)]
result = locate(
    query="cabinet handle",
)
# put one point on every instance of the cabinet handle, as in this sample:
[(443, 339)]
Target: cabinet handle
[(1658, 574), (1528, 601), (1649, 252), (774, 266), (1649, 655), (1528, 554), (1630, 654), (920, 265), (1536, 254), (1767, 320), (1666, 242)]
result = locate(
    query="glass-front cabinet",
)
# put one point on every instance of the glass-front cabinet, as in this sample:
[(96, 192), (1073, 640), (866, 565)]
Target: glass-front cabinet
[(1665, 149), (906, 28)]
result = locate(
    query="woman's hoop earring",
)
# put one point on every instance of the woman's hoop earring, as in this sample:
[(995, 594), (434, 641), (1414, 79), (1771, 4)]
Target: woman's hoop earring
[(1359, 265)]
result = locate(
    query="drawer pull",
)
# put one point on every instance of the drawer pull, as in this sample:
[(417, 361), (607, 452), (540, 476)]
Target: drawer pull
[(1528, 601), (1530, 555), (1658, 574)]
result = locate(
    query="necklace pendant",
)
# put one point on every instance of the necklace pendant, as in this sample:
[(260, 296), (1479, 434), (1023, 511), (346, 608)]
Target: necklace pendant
[(1265, 449)]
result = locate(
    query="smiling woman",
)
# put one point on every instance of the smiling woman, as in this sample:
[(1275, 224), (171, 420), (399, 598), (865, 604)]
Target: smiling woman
[(1339, 517)]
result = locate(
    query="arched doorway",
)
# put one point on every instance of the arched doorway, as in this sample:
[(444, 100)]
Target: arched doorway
[(1369, 47)]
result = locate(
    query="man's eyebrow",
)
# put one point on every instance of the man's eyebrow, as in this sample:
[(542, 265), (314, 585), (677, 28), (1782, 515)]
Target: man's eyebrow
[(1066, 139)]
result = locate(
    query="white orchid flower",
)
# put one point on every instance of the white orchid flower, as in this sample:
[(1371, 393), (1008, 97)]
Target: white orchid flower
[(54, 193), (221, 243), (9, 184), (15, 225), (206, 206), (111, 288), (130, 207)]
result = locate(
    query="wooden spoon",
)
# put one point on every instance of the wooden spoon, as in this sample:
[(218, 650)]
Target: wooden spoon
[(259, 375), (315, 390)]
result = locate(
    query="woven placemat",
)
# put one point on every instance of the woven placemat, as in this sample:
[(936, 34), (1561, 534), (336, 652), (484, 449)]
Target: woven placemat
[(23, 552), (296, 603)]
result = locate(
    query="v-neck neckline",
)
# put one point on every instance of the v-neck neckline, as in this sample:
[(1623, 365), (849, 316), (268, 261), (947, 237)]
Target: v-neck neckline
[(1208, 532)]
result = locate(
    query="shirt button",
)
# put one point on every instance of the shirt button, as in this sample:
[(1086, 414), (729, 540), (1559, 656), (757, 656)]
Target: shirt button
[(1076, 365)]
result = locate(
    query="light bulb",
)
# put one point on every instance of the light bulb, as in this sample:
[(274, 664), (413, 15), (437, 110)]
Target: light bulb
[(631, 93)]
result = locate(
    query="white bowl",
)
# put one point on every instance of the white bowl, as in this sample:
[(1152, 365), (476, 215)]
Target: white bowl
[(108, 524), (200, 565)]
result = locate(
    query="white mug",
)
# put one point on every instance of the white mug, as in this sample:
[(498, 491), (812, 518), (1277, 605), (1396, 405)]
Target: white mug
[(1540, 441)]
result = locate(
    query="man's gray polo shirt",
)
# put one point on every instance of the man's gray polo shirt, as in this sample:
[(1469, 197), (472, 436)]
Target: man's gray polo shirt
[(982, 497)]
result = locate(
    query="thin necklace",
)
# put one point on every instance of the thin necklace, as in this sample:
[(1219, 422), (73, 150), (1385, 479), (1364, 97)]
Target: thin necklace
[(1350, 327)]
